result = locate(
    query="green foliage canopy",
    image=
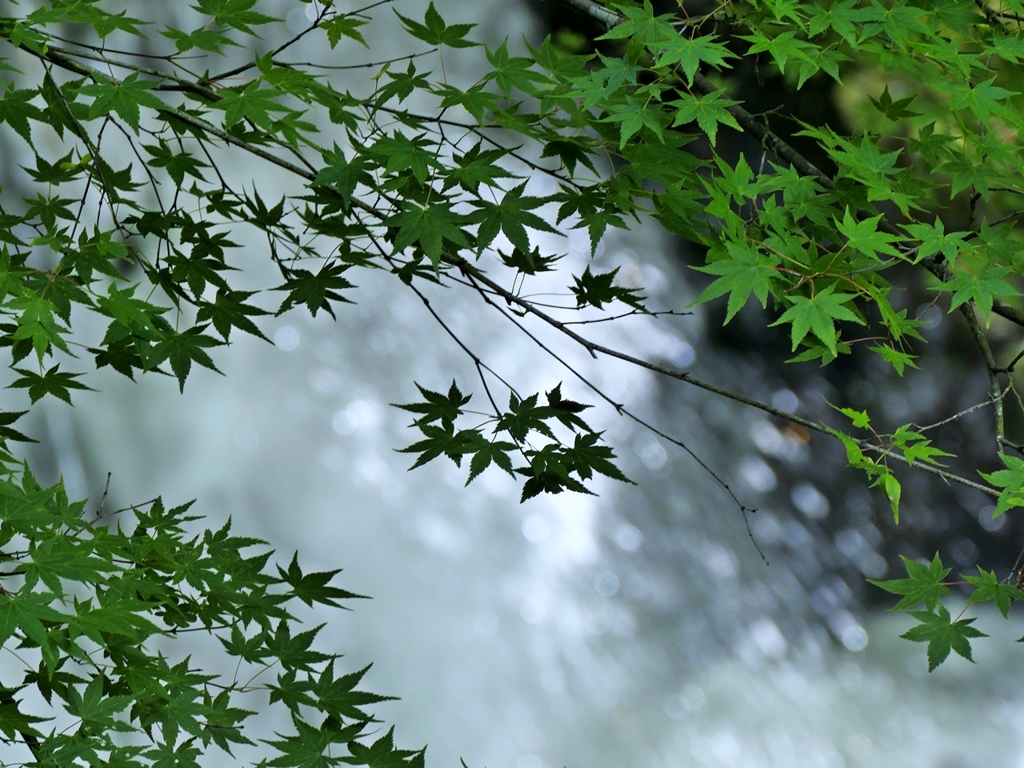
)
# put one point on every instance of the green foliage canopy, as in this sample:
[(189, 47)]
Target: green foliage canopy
[(132, 219)]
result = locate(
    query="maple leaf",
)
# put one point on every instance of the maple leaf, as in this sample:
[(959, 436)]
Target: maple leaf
[(488, 452), (316, 291), (53, 382), (708, 110), (1011, 480), (690, 53), (818, 314), (314, 587), (641, 24), (184, 348), (922, 585), (595, 290), (434, 31), (511, 216), (745, 271), (234, 14), (429, 226), (250, 103), (981, 288), (942, 635), (988, 588), (436, 406), (123, 97)]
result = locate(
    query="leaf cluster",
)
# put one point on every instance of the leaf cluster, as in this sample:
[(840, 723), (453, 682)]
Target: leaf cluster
[(88, 600), (936, 627), (551, 464)]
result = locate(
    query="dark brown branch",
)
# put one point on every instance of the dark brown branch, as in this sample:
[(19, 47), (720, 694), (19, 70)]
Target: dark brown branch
[(475, 275)]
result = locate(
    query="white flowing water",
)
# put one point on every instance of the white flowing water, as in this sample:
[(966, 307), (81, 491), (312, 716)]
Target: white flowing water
[(640, 628)]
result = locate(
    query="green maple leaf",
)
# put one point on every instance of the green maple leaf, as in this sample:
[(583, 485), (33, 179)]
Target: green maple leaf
[(600, 83), (316, 291), (596, 212), (400, 153), (980, 288), (987, 587), (36, 322), (343, 175), (27, 611), (782, 47), (942, 635), (477, 100), (529, 262), (641, 24), (382, 754), (434, 31), (860, 419), (818, 314), (586, 457), (444, 440), (402, 85), (130, 312), (344, 26), (512, 215), (488, 452), (566, 411), (571, 150), (595, 290), (204, 38), (916, 447), (182, 349), (690, 53), (1011, 480), (295, 651), (53, 382), (7, 432), (337, 696), (314, 587), (746, 271), (228, 310), (178, 164), (548, 472), (16, 109), (429, 226), (436, 406), (234, 13), (95, 709), (105, 23), (893, 491), (524, 416), (864, 236), (477, 167), (898, 359), (982, 99), (894, 110), (923, 585), (632, 114), (250, 103), (513, 72), (935, 239), (123, 97), (708, 110), (14, 723), (307, 748)]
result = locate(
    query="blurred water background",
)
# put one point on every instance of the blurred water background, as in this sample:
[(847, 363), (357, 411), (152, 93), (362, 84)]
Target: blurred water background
[(641, 628)]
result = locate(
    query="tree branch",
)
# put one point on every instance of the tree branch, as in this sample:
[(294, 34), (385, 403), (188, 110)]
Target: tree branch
[(475, 275)]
